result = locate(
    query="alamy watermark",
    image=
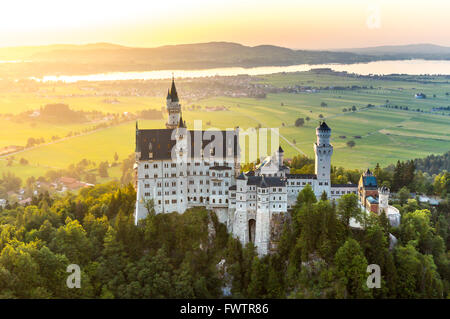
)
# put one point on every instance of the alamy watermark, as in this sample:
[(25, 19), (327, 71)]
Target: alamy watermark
[(373, 20), (74, 279), (226, 145), (374, 279)]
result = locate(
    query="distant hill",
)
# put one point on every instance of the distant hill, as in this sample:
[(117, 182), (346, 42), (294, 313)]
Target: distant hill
[(194, 55), (410, 50), (105, 57)]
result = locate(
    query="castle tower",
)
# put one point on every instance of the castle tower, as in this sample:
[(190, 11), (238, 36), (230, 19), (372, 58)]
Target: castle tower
[(280, 156), (323, 151), (383, 200), (173, 107)]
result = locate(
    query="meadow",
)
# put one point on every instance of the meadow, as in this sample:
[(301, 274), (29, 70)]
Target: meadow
[(382, 135)]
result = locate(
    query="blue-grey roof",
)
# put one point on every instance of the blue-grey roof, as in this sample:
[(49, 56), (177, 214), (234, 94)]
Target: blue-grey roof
[(266, 182), (162, 143), (241, 176), (370, 181), (324, 127), (372, 200)]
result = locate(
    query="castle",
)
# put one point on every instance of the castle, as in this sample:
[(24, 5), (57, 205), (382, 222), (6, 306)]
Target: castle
[(180, 169)]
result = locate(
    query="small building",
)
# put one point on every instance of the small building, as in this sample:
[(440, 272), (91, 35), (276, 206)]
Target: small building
[(420, 96), (368, 191)]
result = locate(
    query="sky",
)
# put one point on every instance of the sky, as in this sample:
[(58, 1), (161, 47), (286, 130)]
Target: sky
[(312, 24)]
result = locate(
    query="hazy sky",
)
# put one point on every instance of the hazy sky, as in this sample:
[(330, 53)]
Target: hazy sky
[(292, 23)]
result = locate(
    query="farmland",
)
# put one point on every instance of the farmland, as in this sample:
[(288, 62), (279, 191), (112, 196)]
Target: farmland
[(382, 134)]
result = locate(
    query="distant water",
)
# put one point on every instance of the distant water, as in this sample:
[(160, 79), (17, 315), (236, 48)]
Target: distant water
[(413, 67)]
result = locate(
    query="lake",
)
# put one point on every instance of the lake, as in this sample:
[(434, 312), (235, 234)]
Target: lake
[(413, 67)]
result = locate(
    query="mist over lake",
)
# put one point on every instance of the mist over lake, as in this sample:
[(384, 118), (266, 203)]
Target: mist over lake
[(412, 67)]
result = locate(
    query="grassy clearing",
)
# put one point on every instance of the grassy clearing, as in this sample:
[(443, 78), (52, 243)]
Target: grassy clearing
[(387, 135)]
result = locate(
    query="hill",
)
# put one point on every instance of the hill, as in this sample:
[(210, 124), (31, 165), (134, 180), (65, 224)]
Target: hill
[(424, 51), (69, 59), (104, 57)]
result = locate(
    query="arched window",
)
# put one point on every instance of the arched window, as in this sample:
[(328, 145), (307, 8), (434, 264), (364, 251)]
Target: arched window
[(150, 150)]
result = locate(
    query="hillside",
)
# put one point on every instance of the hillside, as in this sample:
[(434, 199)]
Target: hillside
[(104, 57), (425, 51)]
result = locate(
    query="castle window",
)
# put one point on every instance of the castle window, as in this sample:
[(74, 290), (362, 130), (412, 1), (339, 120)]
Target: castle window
[(155, 176), (146, 176), (155, 165), (173, 165), (159, 202), (147, 185), (146, 166)]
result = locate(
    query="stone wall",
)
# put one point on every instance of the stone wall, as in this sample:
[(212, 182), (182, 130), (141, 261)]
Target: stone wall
[(276, 227)]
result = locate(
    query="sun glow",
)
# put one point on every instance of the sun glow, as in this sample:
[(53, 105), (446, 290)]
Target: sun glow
[(292, 23)]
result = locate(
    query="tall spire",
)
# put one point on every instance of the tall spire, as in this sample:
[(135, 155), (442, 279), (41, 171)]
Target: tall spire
[(181, 124), (173, 91), (168, 95)]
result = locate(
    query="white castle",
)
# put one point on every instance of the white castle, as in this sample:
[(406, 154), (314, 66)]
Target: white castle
[(177, 175)]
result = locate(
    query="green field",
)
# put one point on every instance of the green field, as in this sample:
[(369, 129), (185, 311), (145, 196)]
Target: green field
[(387, 135)]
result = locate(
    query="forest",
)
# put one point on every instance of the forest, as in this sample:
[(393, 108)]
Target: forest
[(192, 255)]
